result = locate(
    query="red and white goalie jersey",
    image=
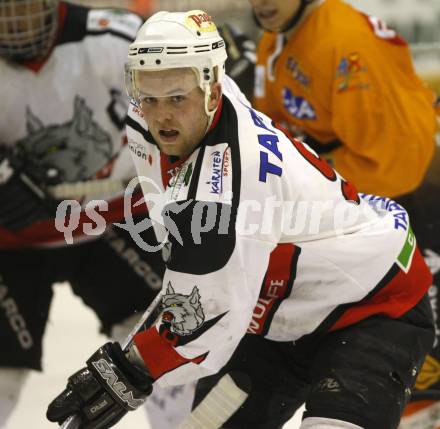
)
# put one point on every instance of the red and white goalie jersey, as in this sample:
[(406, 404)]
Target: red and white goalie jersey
[(264, 238), (67, 113)]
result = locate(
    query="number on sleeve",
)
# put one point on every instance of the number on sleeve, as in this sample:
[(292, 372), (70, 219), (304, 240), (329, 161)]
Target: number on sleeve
[(348, 190), (382, 31)]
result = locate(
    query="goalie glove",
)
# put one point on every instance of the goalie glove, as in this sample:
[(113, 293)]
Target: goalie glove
[(23, 199), (102, 392), (240, 64)]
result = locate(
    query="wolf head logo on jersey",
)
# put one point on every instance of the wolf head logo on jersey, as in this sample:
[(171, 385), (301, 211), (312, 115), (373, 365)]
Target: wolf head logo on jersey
[(75, 150), (183, 313)]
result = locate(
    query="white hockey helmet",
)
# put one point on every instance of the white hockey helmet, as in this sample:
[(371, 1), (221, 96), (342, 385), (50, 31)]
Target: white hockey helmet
[(27, 28), (170, 40)]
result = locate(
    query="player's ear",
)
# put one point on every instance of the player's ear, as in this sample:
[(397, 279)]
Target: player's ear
[(215, 96)]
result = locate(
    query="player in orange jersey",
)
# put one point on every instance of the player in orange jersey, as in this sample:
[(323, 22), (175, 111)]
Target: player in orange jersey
[(346, 83)]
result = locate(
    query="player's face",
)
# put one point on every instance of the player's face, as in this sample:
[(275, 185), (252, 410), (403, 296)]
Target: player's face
[(173, 108), (273, 15)]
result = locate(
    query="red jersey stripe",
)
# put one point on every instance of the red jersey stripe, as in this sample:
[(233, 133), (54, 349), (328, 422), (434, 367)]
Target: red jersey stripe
[(159, 354), (401, 294)]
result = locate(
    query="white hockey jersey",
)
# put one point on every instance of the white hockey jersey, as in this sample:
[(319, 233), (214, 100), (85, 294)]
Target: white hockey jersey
[(69, 111), (264, 238)]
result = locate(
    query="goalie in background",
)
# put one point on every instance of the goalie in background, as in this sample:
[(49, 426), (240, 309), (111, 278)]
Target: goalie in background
[(329, 308), (62, 122), (346, 82)]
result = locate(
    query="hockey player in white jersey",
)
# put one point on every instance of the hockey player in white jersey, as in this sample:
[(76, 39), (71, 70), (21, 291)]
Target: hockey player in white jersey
[(278, 272), (62, 124)]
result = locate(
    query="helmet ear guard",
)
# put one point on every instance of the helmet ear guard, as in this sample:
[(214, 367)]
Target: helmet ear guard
[(170, 40), (27, 28)]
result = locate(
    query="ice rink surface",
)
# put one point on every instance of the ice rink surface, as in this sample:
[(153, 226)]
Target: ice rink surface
[(71, 337)]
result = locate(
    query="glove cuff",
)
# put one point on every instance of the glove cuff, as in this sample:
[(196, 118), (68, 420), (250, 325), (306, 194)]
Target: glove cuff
[(124, 382), (140, 378)]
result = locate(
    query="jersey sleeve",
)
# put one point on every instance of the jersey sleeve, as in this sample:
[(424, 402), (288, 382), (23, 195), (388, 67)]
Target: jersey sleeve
[(211, 287), (109, 33), (382, 113), (146, 158), (113, 30), (205, 313)]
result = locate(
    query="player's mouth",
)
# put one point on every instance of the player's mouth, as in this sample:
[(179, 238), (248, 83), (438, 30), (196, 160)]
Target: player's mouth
[(168, 135), (266, 16)]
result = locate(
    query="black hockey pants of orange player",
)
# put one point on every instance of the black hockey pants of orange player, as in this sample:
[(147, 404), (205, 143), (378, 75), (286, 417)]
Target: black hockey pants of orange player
[(423, 207)]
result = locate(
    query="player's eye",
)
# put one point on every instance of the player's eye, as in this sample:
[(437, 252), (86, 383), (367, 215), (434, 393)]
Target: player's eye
[(177, 99), (148, 100)]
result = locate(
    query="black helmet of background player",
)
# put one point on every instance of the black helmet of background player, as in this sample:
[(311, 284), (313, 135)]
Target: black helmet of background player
[(27, 28), (279, 15)]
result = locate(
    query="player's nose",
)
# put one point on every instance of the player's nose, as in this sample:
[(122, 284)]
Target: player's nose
[(163, 112)]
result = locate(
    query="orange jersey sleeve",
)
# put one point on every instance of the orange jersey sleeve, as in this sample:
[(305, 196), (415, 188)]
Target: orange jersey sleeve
[(345, 76)]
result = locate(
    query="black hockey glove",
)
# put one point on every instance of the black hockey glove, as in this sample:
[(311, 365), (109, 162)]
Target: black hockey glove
[(241, 60), (23, 199), (104, 391), (317, 146)]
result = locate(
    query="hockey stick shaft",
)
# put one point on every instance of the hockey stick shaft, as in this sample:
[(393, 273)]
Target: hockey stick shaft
[(87, 188), (146, 320)]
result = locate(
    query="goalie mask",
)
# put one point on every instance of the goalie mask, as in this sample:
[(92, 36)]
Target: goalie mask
[(178, 40), (27, 28)]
